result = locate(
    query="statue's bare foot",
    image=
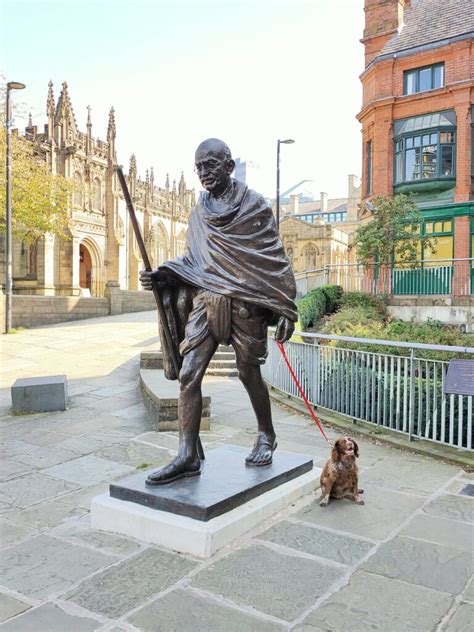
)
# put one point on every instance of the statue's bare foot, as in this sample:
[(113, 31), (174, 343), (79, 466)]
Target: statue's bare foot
[(262, 453), (178, 468)]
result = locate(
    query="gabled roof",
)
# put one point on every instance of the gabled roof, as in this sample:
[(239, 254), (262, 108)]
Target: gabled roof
[(431, 21)]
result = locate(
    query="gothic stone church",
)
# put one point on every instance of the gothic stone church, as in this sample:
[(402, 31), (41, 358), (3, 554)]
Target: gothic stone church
[(101, 245)]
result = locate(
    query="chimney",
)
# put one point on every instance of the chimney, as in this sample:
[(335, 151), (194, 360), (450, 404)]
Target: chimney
[(324, 201), (294, 204), (354, 185), (383, 18)]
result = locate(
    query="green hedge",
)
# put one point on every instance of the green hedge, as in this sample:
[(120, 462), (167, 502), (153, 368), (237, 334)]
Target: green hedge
[(333, 295), (317, 303)]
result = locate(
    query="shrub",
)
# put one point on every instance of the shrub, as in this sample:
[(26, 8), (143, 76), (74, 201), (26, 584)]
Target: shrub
[(347, 317), (360, 322), (311, 307), (333, 295), (361, 299)]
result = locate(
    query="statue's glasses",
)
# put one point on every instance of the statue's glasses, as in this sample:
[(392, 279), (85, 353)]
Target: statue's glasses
[(207, 165)]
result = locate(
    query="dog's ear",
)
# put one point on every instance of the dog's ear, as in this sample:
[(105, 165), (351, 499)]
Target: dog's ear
[(356, 448), (336, 452)]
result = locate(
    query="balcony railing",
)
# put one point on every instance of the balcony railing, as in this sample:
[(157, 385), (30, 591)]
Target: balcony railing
[(402, 393), (448, 277)]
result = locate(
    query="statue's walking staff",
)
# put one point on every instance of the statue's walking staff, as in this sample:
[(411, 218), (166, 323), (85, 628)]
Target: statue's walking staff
[(147, 263)]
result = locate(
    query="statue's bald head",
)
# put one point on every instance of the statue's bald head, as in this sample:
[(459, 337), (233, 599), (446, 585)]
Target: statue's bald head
[(216, 147), (213, 164)]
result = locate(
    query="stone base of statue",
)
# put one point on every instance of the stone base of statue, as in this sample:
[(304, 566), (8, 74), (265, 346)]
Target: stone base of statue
[(201, 515)]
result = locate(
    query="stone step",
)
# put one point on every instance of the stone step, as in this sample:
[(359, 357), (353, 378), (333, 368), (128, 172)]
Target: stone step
[(222, 361), (222, 364), (160, 397), (222, 372), (151, 360), (228, 348)]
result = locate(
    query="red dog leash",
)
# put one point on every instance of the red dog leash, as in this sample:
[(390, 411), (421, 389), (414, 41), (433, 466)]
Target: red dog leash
[(298, 385)]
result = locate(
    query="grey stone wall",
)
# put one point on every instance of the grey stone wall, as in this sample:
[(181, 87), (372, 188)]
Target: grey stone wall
[(33, 311)]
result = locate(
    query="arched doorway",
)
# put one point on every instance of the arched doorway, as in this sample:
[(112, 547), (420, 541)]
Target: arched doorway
[(91, 268), (85, 268)]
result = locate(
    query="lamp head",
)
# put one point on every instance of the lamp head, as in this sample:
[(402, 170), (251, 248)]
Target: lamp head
[(15, 85), (288, 141)]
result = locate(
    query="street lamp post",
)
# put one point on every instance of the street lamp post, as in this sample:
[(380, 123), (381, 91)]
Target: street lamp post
[(288, 141), (12, 85)]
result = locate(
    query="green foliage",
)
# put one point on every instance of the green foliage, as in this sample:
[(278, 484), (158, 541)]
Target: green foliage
[(311, 308), (348, 317), (333, 296), (360, 317), (40, 200), (393, 232), (317, 303), (361, 299)]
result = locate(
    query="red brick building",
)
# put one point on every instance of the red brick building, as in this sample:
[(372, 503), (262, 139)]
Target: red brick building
[(417, 118)]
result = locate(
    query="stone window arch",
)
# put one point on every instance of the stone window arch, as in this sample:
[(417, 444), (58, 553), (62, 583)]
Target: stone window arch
[(310, 256), (181, 243), (96, 195)]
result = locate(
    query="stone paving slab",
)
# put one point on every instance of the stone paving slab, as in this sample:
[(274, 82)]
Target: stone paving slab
[(442, 568), (373, 602), (11, 533), (10, 468), (88, 470), (12, 448), (80, 532), (33, 488), (81, 445), (287, 585), (50, 618), (44, 566), (45, 515), (132, 582), (134, 454), (43, 457), (469, 592), (462, 620), (408, 476), (380, 515), (450, 506), (325, 544), (206, 615), (38, 437), (9, 607), (441, 531), (83, 497)]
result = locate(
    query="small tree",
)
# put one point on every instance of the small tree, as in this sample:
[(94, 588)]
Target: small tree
[(393, 233), (40, 200)]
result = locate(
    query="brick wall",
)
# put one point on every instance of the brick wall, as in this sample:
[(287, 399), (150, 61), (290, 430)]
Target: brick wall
[(384, 102)]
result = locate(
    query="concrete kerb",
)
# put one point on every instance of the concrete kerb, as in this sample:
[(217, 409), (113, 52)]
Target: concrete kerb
[(377, 433)]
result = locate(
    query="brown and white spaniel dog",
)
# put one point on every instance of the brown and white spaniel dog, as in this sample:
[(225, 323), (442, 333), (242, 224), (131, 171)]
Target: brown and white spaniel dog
[(340, 475)]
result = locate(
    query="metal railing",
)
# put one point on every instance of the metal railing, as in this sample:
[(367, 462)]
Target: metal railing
[(400, 392), (452, 277)]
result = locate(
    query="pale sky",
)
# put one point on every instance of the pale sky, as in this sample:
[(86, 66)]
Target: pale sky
[(179, 71)]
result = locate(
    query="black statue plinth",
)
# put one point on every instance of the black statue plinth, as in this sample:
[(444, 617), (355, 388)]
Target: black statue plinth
[(224, 484)]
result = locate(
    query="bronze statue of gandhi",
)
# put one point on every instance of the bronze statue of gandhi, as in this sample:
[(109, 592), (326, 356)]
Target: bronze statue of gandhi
[(232, 282)]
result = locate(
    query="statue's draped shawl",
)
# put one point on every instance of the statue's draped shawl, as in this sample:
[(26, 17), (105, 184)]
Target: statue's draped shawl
[(233, 248)]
